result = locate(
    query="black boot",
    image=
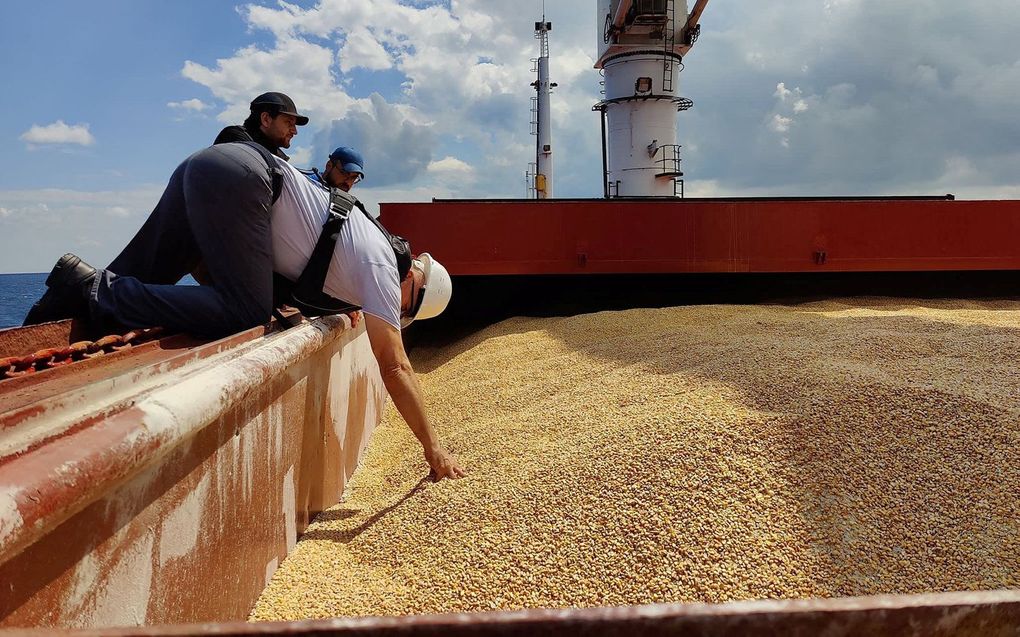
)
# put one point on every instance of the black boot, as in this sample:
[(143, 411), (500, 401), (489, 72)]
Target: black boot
[(70, 284)]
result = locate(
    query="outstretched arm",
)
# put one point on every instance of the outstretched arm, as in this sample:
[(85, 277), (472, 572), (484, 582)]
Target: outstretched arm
[(402, 385)]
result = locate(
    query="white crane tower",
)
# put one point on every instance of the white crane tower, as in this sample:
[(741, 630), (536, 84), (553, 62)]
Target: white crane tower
[(641, 49), (540, 176)]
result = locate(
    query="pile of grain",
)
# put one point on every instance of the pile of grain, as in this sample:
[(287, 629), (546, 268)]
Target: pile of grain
[(704, 454)]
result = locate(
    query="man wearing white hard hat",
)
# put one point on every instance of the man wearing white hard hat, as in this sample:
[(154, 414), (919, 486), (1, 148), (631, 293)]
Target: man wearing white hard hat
[(258, 215), (364, 271)]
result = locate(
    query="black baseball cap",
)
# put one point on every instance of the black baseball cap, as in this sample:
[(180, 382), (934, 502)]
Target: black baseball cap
[(279, 103)]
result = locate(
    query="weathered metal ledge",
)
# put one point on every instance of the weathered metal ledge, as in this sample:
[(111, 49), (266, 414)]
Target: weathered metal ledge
[(168, 490), (986, 613)]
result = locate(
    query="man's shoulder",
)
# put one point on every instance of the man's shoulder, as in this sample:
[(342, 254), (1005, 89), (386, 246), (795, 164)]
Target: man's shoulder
[(371, 240), (238, 133), (312, 175), (234, 133)]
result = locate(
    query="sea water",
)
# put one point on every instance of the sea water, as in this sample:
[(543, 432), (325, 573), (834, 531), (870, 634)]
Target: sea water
[(19, 291), (17, 294)]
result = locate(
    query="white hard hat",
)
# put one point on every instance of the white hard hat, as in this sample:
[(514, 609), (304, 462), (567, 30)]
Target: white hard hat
[(436, 289)]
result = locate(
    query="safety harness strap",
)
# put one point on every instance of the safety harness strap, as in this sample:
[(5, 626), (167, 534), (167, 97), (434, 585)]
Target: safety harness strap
[(275, 172), (307, 293)]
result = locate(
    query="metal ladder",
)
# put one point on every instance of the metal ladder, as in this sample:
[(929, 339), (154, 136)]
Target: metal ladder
[(530, 192), (668, 35), (529, 175), (534, 115), (534, 99)]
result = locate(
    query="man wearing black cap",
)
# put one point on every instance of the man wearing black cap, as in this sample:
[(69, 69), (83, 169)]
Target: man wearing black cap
[(225, 206), (273, 122)]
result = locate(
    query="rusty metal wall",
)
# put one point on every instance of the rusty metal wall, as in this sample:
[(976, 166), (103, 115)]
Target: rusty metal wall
[(170, 494), (985, 614), (597, 236)]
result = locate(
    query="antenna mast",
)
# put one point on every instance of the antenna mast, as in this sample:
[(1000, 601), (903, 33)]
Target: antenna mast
[(541, 117)]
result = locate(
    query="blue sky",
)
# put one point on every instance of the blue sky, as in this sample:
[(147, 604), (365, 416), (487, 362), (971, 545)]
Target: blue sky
[(113, 65), (804, 97)]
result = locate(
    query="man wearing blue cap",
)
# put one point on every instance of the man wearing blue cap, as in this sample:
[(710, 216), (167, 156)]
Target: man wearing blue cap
[(344, 168), (246, 214)]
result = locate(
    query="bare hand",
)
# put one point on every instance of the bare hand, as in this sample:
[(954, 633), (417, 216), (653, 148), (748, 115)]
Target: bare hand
[(444, 465), (355, 317)]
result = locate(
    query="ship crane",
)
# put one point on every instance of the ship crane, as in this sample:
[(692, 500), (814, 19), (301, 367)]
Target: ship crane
[(641, 53)]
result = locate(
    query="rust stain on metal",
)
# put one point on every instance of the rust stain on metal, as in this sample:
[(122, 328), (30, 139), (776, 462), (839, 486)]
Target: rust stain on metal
[(993, 613), (50, 357), (159, 493), (20, 340), (517, 237)]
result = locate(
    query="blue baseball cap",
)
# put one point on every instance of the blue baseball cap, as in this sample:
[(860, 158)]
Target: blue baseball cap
[(348, 159)]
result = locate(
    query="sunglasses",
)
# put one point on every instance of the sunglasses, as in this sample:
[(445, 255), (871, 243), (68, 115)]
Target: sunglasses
[(351, 178), (417, 296)]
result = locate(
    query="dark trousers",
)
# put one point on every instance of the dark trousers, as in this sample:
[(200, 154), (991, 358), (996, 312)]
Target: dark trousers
[(215, 211)]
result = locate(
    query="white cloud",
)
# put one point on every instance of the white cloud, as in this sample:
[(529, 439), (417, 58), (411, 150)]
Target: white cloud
[(858, 96), (756, 59), (54, 206), (793, 95), (363, 50), (780, 124), (832, 5), (59, 133), (885, 104), (302, 156), (451, 171), (193, 104), (300, 68), (448, 165), (40, 225), (465, 67)]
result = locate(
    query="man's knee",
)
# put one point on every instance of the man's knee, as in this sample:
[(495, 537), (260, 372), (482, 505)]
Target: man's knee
[(240, 319)]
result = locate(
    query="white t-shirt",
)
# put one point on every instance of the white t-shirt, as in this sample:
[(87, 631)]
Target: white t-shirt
[(363, 270)]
